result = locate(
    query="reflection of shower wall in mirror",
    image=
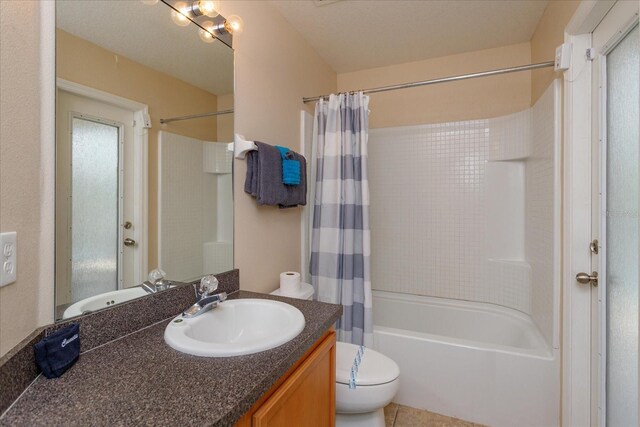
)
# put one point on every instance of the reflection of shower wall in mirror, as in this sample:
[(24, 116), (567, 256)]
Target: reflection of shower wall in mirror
[(191, 191)]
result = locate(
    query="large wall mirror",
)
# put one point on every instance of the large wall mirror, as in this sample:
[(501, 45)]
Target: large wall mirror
[(143, 170)]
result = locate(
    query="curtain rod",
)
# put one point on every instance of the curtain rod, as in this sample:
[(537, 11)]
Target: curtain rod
[(447, 79), (195, 116)]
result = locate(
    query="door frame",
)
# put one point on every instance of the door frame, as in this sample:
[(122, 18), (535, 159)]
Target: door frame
[(579, 167), (615, 27), (140, 159)]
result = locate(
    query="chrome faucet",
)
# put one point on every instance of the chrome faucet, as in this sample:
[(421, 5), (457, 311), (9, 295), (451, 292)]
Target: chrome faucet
[(206, 297), (156, 282)]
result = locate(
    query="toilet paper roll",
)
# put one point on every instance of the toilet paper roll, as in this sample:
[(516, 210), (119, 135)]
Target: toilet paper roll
[(289, 282)]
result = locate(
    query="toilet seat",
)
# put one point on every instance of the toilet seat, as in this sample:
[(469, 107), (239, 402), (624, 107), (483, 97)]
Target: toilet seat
[(374, 368)]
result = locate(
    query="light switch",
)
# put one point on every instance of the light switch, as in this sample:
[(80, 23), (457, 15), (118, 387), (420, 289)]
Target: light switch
[(8, 258)]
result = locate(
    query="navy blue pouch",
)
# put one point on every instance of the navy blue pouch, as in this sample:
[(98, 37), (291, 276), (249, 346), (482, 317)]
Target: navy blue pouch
[(59, 351)]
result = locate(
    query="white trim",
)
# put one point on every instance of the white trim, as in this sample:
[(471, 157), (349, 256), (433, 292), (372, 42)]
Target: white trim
[(141, 175), (159, 205), (576, 358), (141, 195), (587, 16), (99, 95), (557, 213), (601, 390), (611, 26), (46, 262), (306, 223)]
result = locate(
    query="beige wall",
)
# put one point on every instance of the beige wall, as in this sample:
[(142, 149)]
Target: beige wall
[(20, 166), (88, 64), (275, 67), (548, 35), (464, 100)]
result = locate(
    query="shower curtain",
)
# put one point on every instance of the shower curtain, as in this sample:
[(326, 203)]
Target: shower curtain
[(340, 241)]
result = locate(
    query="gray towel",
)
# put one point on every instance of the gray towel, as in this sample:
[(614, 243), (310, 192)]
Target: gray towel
[(264, 178)]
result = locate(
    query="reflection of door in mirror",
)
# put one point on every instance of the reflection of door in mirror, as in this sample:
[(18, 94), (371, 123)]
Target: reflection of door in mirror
[(94, 187)]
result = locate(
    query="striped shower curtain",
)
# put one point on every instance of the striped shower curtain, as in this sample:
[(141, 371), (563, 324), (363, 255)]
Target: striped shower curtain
[(340, 241)]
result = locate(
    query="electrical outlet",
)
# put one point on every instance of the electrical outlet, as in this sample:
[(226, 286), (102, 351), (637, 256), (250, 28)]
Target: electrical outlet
[(8, 258)]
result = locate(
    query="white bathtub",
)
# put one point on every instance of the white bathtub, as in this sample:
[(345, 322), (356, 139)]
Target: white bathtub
[(478, 362)]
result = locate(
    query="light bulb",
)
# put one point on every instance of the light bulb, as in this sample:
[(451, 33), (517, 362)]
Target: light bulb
[(206, 36), (234, 24), (149, 2), (208, 7), (180, 18)]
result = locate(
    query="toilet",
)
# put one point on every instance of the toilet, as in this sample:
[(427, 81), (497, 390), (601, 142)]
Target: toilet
[(361, 402)]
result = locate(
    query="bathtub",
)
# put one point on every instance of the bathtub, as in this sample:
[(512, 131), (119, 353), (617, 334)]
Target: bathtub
[(474, 361)]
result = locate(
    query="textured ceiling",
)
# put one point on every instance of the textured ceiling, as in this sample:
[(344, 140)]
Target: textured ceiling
[(357, 34), (147, 35)]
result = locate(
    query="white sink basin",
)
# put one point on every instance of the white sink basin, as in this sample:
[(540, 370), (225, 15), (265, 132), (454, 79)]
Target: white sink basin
[(235, 327), (102, 301)]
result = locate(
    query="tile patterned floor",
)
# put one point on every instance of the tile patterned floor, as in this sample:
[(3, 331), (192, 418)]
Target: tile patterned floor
[(403, 416)]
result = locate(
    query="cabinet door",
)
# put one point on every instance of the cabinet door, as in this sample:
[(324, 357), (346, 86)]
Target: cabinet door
[(307, 397)]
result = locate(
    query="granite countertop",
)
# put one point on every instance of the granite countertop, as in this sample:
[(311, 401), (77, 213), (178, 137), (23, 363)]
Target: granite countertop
[(138, 379)]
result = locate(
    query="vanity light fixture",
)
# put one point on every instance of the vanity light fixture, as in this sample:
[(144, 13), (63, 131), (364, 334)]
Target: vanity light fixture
[(206, 35), (205, 7), (232, 25), (179, 14), (185, 12)]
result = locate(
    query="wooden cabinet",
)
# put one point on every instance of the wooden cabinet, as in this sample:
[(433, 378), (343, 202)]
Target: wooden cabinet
[(304, 396)]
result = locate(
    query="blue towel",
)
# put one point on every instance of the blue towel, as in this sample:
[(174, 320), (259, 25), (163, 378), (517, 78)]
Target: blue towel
[(290, 167)]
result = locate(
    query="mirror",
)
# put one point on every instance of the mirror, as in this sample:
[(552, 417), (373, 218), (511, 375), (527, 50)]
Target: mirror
[(143, 171)]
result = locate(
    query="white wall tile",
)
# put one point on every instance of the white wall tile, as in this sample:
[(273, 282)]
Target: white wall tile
[(464, 210), (510, 136)]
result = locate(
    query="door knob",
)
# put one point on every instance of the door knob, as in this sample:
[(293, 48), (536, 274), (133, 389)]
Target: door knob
[(129, 242), (585, 278)]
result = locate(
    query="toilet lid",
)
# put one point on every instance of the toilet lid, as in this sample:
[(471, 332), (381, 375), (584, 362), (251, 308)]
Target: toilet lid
[(374, 369)]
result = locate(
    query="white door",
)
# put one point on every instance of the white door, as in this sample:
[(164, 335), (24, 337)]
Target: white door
[(94, 162), (615, 199)]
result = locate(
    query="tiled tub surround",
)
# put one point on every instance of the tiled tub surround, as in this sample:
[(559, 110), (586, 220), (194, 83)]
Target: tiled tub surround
[(469, 210), (138, 379)]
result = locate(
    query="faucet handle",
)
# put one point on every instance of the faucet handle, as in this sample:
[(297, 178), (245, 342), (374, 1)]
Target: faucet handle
[(208, 285), (156, 275)]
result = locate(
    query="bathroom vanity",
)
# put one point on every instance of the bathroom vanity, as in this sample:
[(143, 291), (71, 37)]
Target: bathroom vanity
[(136, 378), (305, 393)]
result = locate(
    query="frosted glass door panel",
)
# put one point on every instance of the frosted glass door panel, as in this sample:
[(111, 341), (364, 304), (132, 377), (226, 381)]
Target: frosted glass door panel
[(94, 208), (622, 232)]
